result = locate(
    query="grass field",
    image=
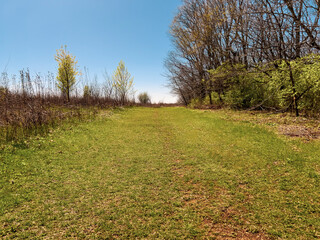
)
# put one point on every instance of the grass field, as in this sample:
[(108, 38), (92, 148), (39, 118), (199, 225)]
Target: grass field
[(161, 173)]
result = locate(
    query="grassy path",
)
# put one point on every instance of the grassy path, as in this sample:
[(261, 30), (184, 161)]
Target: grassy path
[(167, 173)]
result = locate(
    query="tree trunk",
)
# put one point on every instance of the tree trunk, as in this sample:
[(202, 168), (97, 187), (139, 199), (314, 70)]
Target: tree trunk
[(210, 98), (294, 92)]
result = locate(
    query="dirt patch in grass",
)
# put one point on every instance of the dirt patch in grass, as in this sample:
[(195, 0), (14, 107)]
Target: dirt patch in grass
[(218, 217), (299, 131), (223, 231), (212, 204), (283, 123)]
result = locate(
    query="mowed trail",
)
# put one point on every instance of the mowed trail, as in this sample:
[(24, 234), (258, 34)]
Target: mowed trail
[(161, 173)]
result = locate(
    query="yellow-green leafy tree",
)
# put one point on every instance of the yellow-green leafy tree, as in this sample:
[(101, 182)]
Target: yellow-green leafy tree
[(67, 71), (122, 82)]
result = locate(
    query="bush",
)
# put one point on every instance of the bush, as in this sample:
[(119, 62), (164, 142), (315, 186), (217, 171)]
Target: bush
[(144, 98), (245, 93)]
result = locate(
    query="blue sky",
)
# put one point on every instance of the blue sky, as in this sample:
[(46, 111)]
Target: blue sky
[(99, 33)]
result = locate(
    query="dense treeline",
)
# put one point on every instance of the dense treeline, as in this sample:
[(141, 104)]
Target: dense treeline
[(247, 54)]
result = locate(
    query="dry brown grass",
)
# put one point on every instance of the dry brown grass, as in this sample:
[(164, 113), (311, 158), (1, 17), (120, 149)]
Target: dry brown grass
[(34, 106), (287, 124)]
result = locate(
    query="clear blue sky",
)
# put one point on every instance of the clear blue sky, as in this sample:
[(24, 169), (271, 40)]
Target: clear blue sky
[(99, 33)]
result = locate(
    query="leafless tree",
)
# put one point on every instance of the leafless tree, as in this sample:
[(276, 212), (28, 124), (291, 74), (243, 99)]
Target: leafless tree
[(207, 34)]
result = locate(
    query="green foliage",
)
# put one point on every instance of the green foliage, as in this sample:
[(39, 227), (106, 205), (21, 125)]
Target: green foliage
[(199, 103), (244, 95), (293, 82), (87, 91), (216, 99), (144, 98), (196, 103), (235, 86), (274, 85), (305, 72), (67, 71), (122, 82), (3, 92)]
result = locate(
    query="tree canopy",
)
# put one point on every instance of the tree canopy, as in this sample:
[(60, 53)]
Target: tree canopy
[(122, 83), (67, 71), (245, 53)]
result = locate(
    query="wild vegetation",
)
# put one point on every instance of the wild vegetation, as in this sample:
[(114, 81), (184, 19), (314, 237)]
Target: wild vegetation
[(67, 72), (34, 104), (247, 54), (161, 173), (122, 83), (144, 98)]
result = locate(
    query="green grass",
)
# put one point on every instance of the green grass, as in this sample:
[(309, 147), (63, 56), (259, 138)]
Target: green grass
[(161, 173)]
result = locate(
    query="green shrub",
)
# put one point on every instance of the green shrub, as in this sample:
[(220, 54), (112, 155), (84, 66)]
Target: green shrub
[(144, 98)]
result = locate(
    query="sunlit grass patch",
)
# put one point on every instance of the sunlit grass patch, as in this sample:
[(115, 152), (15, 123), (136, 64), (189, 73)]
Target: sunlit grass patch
[(161, 173)]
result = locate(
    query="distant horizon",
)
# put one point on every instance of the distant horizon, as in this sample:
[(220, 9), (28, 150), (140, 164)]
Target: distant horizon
[(136, 33)]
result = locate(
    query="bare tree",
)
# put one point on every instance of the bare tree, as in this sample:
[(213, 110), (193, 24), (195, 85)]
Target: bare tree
[(259, 35)]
